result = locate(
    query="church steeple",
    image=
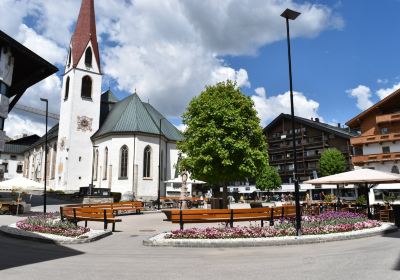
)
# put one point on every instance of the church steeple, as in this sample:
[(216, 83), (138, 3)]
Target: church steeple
[(85, 32)]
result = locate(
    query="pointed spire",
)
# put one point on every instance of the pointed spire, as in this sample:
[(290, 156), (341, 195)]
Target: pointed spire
[(85, 31)]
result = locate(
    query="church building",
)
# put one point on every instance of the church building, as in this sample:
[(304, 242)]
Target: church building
[(124, 145)]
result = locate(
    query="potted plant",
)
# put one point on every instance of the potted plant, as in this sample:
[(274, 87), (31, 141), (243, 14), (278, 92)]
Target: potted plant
[(388, 200)]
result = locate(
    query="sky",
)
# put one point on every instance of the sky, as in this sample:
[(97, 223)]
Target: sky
[(345, 54)]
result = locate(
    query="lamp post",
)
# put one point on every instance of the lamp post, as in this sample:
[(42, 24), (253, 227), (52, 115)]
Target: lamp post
[(159, 167), (91, 184), (45, 156), (292, 15)]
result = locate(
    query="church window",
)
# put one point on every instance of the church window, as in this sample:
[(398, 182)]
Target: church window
[(123, 162), (96, 164), (19, 168), (88, 57), (105, 163), (395, 169), (86, 91), (66, 89), (69, 57), (53, 161), (146, 162)]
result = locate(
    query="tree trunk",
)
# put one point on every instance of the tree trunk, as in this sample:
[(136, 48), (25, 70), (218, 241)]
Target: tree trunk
[(225, 196)]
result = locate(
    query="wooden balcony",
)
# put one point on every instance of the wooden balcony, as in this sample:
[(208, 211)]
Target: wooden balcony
[(388, 118), (360, 160), (364, 140)]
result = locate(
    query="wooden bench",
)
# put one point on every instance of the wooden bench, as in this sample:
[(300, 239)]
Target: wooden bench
[(116, 207), (228, 216), (76, 214)]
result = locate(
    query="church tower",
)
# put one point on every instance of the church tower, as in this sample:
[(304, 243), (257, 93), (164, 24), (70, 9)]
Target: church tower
[(80, 104)]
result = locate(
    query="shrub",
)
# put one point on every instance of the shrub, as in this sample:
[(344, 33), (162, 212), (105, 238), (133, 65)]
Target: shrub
[(48, 223)]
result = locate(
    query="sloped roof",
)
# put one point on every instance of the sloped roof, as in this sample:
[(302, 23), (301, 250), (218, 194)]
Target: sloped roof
[(51, 134), (131, 115), (85, 32), (14, 148), (390, 100), (27, 140), (342, 132)]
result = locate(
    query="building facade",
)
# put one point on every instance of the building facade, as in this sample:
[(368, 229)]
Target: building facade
[(378, 144), (312, 138)]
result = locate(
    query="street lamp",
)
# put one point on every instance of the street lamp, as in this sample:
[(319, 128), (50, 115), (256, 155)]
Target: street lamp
[(159, 167), (45, 156), (292, 15), (93, 159)]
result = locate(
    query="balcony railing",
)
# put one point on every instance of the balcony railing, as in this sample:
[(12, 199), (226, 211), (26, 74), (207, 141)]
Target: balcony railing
[(360, 160), (362, 140), (388, 118)]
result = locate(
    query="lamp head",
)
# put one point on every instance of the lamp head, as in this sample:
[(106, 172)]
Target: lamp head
[(290, 14)]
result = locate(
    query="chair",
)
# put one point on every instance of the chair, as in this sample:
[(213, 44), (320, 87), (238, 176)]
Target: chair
[(384, 215)]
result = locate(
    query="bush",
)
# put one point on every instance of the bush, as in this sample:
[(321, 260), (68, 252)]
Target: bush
[(49, 223), (361, 200), (116, 196)]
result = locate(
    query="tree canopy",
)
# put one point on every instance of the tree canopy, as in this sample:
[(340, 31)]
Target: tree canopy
[(268, 179), (223, 140), (332, 161)]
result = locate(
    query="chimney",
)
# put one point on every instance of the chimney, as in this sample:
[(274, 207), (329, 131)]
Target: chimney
[(338, 125), (312, 119), (317, 119)]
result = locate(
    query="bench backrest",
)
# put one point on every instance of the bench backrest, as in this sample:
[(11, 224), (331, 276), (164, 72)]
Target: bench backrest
[(198, 214), (87, 212)]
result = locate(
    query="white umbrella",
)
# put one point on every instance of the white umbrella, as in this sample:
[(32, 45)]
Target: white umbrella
[(189, 181), (358, 176), (20, 184)]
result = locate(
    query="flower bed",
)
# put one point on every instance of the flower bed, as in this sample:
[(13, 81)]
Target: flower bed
[(328, 222), (50, 223)]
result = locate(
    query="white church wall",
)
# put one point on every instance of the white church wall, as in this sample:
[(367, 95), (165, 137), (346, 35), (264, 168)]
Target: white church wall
[(12, 161)]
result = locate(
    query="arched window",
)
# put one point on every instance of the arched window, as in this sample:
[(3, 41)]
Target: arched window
[(96, 164), (146, 162), (395, 169), (53, 162), (88, 57), (123, 162), (66, 89), (86, 91), (69, 57), (105, 163)]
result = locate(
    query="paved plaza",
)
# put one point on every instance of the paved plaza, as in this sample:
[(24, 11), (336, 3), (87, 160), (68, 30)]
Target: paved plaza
[(122, 256)]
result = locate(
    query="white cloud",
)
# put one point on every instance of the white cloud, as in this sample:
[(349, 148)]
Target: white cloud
[(270, 107), (382, 81), (167, 50), (44, 47), (363, 95), (383, 92), (17, 124), (182, 127)]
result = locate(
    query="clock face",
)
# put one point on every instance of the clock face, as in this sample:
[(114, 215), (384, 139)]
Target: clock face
[(85, 123)]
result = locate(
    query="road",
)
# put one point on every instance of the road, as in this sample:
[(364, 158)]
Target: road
[(122, 256)]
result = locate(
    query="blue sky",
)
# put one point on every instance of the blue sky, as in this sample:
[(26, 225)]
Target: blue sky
[(169, 50)]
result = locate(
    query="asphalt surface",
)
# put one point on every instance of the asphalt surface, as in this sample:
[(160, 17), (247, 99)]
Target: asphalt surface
[(122, 256)]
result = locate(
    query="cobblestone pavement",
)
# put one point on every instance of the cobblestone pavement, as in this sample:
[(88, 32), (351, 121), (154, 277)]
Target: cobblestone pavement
[(122, 256)]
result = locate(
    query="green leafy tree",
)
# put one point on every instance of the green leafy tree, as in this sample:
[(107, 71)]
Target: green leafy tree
[(332, 162), (223, 141), (268, 179)]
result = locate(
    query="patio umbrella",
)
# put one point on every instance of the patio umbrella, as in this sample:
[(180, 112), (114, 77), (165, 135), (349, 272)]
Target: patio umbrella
[(358, 176), (178, 180), (20, 184)]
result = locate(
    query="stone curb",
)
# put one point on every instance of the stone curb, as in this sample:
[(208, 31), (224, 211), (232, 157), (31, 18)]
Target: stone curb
[(159, 241), (91, 236)]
